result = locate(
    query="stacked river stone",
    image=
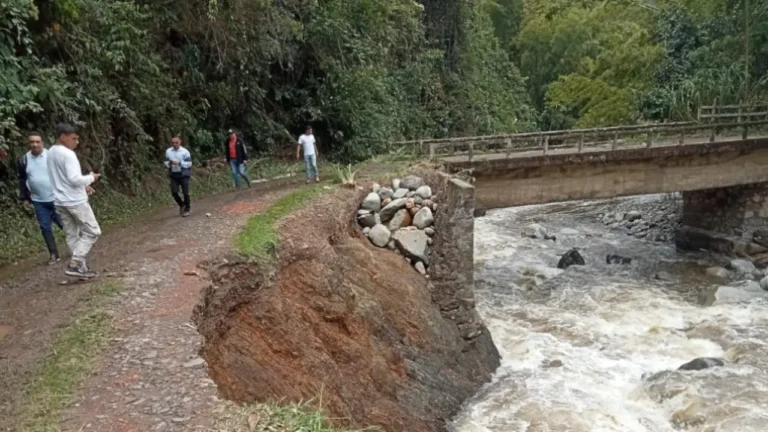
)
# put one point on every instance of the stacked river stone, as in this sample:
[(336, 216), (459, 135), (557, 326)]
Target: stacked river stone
[(401, 218)]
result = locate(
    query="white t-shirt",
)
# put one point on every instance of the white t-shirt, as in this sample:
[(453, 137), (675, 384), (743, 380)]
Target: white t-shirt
[(307, 143), (67, 178)]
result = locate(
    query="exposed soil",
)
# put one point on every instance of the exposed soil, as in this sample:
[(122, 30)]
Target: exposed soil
[(149, 378)]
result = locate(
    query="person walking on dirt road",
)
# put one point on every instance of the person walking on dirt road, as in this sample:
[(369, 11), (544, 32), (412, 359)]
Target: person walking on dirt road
[(36, 192), (179, 163), (307, 142), (237, 156), (70, 195)]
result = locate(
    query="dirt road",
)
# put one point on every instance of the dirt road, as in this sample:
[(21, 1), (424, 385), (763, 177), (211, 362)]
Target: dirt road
[(149, 378)]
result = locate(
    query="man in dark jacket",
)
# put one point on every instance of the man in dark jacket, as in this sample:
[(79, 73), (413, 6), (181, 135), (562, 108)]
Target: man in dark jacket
[(237, 156), (36, 191)]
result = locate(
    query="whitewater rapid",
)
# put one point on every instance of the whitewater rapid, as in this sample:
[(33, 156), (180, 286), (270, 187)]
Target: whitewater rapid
[(575, 345)]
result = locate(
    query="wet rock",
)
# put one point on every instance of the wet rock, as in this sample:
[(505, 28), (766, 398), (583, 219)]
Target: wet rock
[(424, 218), (395, 184), (412, 183), (412, 243), (380, 235), (741, 292), (401, 219), (743, 267), (536, 231), (571, 258), (617, 259), (389, 211), (366, 220), (480, 213), (701, 364), (371, 202), (400, 193), (718, 272), (663, 276), (551, 364), (419, 266), (633, 216), (764, 283), (424, 192), (385, 193)]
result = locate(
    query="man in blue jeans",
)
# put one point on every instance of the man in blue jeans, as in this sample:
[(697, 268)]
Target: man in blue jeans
[(36, 191), (237, 156), (307, 143)]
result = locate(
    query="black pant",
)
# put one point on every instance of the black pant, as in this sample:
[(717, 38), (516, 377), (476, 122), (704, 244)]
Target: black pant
[(184, 183)]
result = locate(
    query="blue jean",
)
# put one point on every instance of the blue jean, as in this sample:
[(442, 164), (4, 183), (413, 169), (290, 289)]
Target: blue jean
[(46, 217), (311, 161), (238, 170)]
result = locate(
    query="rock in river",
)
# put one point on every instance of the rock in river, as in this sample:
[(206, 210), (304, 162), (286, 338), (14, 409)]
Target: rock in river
[(379, 235), (701, 364), (389, 211), (718, 272), (537, 231), (372, 202), (742, 266), (617, 259), (412, 243), (424, 218), (571, 258)]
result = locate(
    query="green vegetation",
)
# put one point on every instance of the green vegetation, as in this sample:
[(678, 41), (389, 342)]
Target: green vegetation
[(131, 73), (58, 376), (276, 418), (258, 239)]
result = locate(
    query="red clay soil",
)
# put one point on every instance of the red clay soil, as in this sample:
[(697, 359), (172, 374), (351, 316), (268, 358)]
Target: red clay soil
[(338, 321)]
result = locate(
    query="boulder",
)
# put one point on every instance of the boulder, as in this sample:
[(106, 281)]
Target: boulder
[(412, 243), (395, 184), (701, 364), (617, 259), (424, 218), (385, 193), (718, 272), (741, 292), (371, 202), (633, 216), (379, 235), (412, 183), (400, 193), (570, 258), (389, 211), (424, 192), (764, 283), (742, 266), (401, 219), (419, 266), (619, 217), (366, 220)]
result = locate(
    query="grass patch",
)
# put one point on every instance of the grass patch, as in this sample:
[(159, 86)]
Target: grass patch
[(258, 239), (58, 376), (275, 418)]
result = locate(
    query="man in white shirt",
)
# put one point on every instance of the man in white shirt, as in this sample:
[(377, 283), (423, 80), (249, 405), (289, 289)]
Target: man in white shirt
[(307, 143), (70, 195), (179, 163)]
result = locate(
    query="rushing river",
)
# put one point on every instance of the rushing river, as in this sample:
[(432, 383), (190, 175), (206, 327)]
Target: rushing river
[(575, 345)]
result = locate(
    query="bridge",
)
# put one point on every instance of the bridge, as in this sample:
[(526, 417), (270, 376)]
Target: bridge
[(719, 162)]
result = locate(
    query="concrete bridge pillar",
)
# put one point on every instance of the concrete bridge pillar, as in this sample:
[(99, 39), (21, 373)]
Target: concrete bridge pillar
[(735, 211)]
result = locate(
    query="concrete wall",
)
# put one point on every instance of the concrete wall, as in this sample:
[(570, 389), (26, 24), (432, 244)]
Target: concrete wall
[(737, 210), (537, 180)]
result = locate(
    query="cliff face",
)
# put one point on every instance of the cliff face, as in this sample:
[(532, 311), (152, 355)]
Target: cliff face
[(348, 325)]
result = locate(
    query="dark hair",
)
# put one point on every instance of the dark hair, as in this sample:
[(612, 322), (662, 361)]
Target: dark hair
[(177, 136), (64, 129), (308, 128), (34, 133)]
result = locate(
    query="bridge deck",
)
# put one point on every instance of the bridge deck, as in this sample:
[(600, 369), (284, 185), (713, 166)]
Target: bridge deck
[(589, 148)]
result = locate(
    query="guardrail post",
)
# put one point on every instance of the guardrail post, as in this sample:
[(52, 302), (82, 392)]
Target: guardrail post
[(615, 141), (745, 132), (432, 151), (581, 142), (471, 150), (682, 137), (546, 145), (421, 147), (649, 141), (509, 147), (714, 132)]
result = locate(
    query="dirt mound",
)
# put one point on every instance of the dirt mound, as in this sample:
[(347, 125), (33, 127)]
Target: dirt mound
[(341, 322)]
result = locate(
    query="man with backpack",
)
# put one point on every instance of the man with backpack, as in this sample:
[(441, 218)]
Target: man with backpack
[(36, 192), (237, 156)]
